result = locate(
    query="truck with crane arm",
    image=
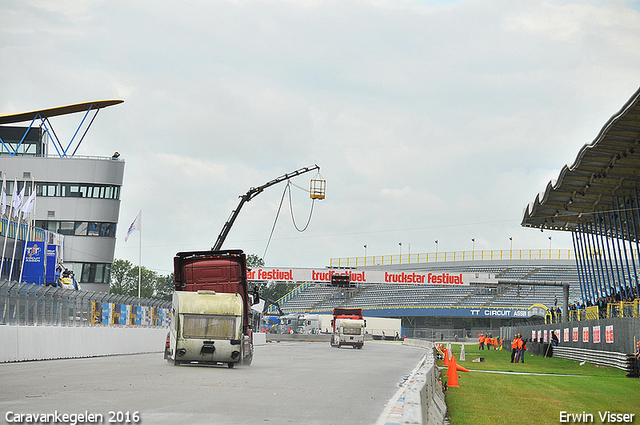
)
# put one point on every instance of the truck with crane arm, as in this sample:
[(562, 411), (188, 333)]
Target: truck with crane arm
[(211, 309)]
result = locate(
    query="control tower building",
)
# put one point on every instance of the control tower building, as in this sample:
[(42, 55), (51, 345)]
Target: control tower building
[(76, 196)]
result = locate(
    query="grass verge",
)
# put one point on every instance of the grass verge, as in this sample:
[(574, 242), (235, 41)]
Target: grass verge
[(499, 398)]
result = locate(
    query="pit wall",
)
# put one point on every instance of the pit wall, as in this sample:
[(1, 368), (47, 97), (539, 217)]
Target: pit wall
[(24, 343)]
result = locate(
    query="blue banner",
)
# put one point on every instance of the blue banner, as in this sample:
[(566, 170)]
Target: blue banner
[(495, 312), (52, 257), (33, 266)]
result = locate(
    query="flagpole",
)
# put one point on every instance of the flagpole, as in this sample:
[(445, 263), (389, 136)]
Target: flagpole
[(15, 241), (6, 230), (140, 257), (15, 244), (28, 236)]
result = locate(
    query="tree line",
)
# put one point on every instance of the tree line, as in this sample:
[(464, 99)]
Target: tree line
[(124, 281)]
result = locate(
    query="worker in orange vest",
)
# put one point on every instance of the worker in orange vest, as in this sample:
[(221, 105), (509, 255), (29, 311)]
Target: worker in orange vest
[(522, 347), (514, 348), (481, 341)]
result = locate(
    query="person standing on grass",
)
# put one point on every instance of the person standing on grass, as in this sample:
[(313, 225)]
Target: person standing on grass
[(514, 348), (522, 347), (481, 341)]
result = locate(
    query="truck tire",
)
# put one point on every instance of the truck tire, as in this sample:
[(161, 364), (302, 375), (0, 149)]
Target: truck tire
[(231, 365), (176, 362)]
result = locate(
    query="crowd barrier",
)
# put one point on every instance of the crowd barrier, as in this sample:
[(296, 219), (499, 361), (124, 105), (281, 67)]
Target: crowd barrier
[(421, 402), (30, 304), (448, 256), (612, 310)]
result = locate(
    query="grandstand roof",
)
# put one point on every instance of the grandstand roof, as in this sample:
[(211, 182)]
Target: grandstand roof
[(604, 169)]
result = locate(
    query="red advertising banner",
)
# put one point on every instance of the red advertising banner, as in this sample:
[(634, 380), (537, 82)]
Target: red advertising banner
[(609, 334), (566, 334), (596, 334), (367, 276), (585, 334), (575, 334)]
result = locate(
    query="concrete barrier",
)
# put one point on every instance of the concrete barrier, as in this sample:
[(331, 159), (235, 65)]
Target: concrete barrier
[(22, 343), (259, 338), (420, 399)]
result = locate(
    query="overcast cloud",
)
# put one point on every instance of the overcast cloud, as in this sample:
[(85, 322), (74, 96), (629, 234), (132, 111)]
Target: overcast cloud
[(430, 120)]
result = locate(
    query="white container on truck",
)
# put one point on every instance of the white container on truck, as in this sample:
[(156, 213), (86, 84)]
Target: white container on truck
[(206, 328)]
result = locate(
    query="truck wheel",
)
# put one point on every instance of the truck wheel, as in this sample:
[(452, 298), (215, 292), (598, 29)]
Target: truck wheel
[(248, 358), (167, 346), (176, 362), (359, 347), (231, 365)]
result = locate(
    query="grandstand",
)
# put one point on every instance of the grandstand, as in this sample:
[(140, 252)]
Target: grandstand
[(486, 305)]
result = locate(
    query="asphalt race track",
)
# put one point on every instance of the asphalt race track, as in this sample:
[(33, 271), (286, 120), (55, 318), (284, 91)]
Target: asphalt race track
[(288, 383)]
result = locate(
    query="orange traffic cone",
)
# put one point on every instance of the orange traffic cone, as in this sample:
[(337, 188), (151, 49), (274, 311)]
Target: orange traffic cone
[(452, 374), (446, 357), (462, 369)]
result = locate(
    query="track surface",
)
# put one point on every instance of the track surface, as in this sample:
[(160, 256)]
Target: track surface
[(288, 383)]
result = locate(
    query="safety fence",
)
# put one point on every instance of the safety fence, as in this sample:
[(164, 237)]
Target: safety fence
[(33, 305), (611, 335), (447, 256)]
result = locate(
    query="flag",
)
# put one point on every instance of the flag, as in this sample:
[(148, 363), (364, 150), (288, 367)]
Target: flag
[(4, 193), (28, 205), (134, 226), (17, 198)]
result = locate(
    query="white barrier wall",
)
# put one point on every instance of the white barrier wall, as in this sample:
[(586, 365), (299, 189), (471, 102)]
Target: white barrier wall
[(420, 400), (20, 343)]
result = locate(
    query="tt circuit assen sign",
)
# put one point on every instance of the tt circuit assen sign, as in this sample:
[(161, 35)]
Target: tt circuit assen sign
[(368, 276)]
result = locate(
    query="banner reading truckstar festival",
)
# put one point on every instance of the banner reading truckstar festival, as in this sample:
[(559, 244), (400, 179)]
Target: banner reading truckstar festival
[(368, 276)]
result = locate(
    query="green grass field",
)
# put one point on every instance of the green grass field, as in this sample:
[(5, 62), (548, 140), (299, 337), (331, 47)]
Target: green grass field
[(499, 398)]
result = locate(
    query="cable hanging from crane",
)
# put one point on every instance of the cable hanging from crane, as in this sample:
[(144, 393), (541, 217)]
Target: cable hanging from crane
[(288, 188)]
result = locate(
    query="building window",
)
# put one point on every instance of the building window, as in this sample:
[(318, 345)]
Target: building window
[(74, 190), (93, 272), (79, 228), (66, 227)]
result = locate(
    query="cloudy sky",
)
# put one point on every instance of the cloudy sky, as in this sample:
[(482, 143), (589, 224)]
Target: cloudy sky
[(430, 120)]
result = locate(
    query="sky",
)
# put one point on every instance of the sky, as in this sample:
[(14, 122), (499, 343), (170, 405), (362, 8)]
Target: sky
[(430, 120)]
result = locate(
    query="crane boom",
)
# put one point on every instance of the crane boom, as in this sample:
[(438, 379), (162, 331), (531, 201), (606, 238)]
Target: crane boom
[(251, 193)]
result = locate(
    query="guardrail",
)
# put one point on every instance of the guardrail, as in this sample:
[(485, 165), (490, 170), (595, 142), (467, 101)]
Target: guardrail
[(622, 361), (449, 256), (33, 305)]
